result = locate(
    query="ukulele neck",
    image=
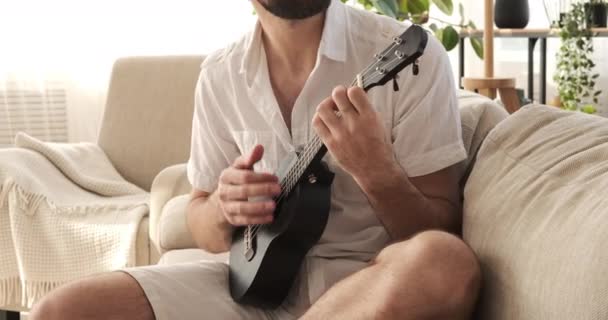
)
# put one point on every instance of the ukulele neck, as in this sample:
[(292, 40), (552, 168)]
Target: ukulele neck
[(312, 152)]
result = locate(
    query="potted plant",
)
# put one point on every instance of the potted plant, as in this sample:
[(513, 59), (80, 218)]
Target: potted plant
[(574, 75), (418, 12), (596, 13)]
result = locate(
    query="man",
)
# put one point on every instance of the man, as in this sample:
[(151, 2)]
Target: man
[(392, 153)]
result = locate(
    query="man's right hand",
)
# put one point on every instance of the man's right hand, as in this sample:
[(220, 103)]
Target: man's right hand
[(239, 182)]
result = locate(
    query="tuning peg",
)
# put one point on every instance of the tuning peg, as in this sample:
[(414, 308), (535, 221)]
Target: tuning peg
[(416, 67)]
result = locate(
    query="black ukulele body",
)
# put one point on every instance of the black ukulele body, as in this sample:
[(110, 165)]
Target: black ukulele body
[(280, 247)]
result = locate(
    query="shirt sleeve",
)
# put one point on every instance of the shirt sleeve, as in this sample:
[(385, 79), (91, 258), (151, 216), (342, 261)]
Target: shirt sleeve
[(212, 147), (427, 134)]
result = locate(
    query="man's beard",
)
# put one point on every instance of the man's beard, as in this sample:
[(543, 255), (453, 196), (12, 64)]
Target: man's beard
[(295, 9)]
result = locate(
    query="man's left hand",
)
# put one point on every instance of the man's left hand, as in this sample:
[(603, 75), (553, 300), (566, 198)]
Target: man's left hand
[(353, 132)]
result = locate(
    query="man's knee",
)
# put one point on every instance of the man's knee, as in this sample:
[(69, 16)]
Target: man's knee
[(95, 298), (50, 307), (56, 304), (443, 266)]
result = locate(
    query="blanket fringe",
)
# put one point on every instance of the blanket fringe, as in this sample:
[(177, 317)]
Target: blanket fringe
[(29, 202), (34, 291), (6, 186), (14, 291), (10, 292)]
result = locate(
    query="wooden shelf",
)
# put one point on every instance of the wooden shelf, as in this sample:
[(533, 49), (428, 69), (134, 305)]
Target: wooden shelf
[(526, 33)]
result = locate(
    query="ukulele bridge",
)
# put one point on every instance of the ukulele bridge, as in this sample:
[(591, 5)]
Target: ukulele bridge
[(249, 251)]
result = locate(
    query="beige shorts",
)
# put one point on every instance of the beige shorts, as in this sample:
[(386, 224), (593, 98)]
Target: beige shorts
[(200, 290)]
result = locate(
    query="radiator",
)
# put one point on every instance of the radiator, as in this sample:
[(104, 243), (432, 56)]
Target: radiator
[(39, 113)]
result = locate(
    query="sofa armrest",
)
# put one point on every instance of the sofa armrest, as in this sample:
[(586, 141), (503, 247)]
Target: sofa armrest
[(173, 227), (168, 184)]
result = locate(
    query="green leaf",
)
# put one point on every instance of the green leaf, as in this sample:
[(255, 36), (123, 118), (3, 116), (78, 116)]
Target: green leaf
[(439, 35), (393, 4), (433, 27), (418, 6), (403, 8), (590, 109), (446, 6), (386, 7), (477, 46), (450, 38)]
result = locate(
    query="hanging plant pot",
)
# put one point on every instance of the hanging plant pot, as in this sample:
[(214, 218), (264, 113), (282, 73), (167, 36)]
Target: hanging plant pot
[(511, 14), (596, 14), (556, 102)]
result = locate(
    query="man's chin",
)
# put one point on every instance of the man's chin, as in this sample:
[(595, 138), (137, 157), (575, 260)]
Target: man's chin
[(295, 9)]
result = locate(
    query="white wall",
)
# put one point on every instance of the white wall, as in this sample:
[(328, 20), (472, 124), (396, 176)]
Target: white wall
[(77, 42)]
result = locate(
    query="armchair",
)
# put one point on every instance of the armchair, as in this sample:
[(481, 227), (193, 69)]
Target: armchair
[(146, 127)]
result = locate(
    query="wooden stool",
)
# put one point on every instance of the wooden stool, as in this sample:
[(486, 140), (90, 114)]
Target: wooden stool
[(489, 87)]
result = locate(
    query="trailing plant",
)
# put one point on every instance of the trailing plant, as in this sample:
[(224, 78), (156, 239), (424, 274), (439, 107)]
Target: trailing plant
[(574, 75), (418, 12)]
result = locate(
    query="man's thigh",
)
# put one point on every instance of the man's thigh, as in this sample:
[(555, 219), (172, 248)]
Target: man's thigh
[(194, 291)]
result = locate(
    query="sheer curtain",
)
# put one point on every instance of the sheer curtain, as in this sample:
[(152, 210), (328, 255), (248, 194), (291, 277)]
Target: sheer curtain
[(56, 55)]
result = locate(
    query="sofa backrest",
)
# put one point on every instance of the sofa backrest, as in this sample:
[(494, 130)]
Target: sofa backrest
[(536, 216), (478, 115), (148, 116)]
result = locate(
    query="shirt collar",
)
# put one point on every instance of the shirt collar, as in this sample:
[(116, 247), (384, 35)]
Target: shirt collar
[(333, 39), (332, 46)]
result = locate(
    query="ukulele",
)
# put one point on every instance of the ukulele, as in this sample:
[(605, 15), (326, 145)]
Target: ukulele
[(265, 259)]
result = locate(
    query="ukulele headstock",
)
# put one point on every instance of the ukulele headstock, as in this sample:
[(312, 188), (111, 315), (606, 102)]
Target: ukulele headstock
[(402, 52)]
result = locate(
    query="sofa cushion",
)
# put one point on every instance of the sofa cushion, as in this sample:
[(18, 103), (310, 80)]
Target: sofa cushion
[(173, 231), (147, 121), (536, 216), (478, 116)]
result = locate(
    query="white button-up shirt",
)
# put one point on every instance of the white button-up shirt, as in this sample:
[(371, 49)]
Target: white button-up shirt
[(235, 109)]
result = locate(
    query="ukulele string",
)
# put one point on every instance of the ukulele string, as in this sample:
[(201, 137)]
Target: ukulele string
[(307, 154), (289, 182), (306, 157), (311, 146)]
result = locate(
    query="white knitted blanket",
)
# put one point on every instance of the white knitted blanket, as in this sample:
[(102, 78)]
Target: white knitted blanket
[(65, 213)]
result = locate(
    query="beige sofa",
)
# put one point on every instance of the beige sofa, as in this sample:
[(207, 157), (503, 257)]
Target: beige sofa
[(534, 211)]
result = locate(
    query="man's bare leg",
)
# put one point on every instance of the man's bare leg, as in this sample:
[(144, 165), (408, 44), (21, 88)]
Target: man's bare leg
[(108, 296), (434, 275)]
